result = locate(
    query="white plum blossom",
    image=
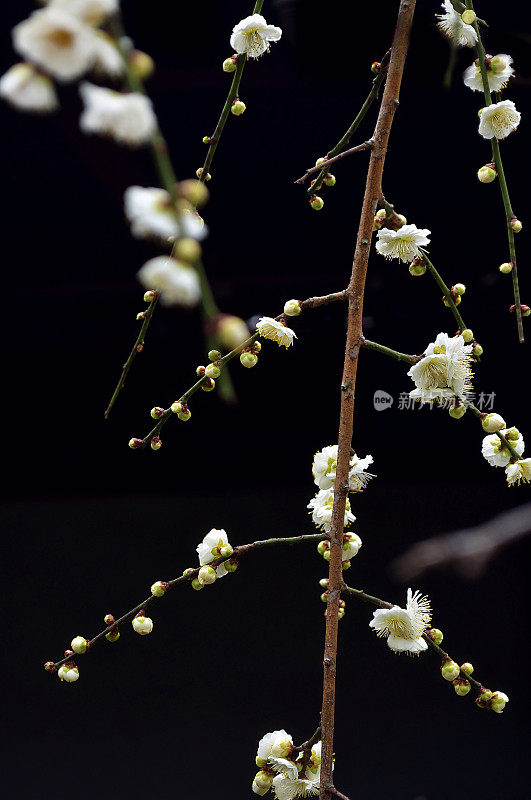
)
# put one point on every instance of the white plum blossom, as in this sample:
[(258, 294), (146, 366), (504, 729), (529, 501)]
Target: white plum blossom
[(497, 78), (274, 751), (142, 625), (287, 789), (444, 371), (518, 472), (91, 12), (68, 673), (26, 89), (278, 744), (498, 120), (150, 212), (177, 283), (107, 58), (404, 627), (127, 118), (321, 509), (495, 451), (358, 477), (252, 36), (325, 465), (402, 244), (451, 24), (212, 548), (351, 546), (57, 42), (270, 328)]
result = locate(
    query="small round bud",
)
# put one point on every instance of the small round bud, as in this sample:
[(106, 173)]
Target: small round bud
[(263, 780), (513, 434), (238, 107), (141, 315), (341, 613), (467, 668), (468, 16), (159, 588), (526, 311), (196, 584), (320, 162), (316, 202), (467, 335), (108, 619), (346, 564), (208, 385), (206, 140), (449, 670), (292, 308), (199, 173), (214, 355), (156, 412), (492, 423), (226, 551), (200, 371), (330, 180), (49, 666), (194, 191), (135, 443), (68, 673), (483, 699), (459, 289), (461, 686), (375, 67), (497, 65), (456, 298), (324, 597), (505, 268), (212, 371), (79, 644), (486, 174), (417, 269), (231, 565), (149, 296), (326, 555), (322, 547), (141, 624), (457, 411), (248, 359), (435, 635), (187, 249), (142, 64), (113, 635), (477, 351), (498, 702), (323, 583), (516, 225), (381, 215), (156, 443), (206, 575), (281, 749), (230, 330), (187, 571), (229, 65)]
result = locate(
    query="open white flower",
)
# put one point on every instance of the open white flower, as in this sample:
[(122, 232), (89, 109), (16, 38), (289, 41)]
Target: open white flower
[(287, 789), (358, 477), (177, 283), (57, 42), (211, 548), (496, 452), (325, 465), (403, 243), (518, 472), (269, 328), (284, 767), (24, 88), (451, 24), (252, 36), (498, 120), (277, 744), (91, 12), (497, 77), (127, 118), (444, 371), (150, 212), (321, 510), (404, 627)]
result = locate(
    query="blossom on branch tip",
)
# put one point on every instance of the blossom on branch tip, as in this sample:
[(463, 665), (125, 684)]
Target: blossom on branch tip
[(496, 452), (26, 89), (270, 328), (177, 283), (444, 371), (403, 244), (404, 627), (499, 70), (252, 36), (321, 510), (215, 545), (518, 472), (498, 120), (127, 118), (453, 26), (151, 213)]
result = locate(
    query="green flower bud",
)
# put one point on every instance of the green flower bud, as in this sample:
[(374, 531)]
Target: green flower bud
[(149, 296), (345, 565), (261, 762), (516, 225), (194, 191), (402, 219), (322, 547), (483, 699), (156, 443), (156, 412), (326, 555), (468, 16), (497, 65), (417, 269), (231, 565), (79, 644), (330, 180), (498, 702), (467, 667), (376, 67), (461, 686), (477, 351), (248, 359), (256, 347), (207, 575), (457, 411), (214, 355), (187, 249), (206, 140), (212, 371), (113, 635), (263, 780), (435, 635), (467, 335), (449, 670), (108, 619), (199, 173), (49, 666), (492, 423), (200, 371), (141, 64), (182, 410), (229, 65), (226, 551), (238, 107), (316, 202), (513, 434), (506, 267), (320, 162), (196, 584), (324, 597), (486, 174), (135, 443), (459, 288), (208, 385), (159, 588), (323, 583), (341, 613), (292, 308)]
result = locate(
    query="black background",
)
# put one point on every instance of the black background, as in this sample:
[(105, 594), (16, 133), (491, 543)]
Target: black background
[(89, 525)]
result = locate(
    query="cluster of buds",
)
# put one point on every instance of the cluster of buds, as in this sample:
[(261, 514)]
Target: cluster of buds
[(492, 701), (199, 173), (350, 548), (68, 671), (323, 583), (526, 311), (113, 634), (455, 292), (249, 355), (181, 409), (142, 624), (210, 373)]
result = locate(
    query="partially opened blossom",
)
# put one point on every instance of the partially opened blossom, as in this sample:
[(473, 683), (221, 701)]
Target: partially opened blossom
[(177, 283), (519, 472), (499, 70), (252, 36), (451, 24), (498, 120), (127, 118), (358, 477), (278, 744), (404, 627), (321, 509), (496, 452), (270, 328), (214, 546), (403, 244), (26, 89), (444, 371), (325, 465), (151, 214)]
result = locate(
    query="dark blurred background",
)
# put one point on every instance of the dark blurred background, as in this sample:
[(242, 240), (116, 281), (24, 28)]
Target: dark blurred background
[(89, 525)]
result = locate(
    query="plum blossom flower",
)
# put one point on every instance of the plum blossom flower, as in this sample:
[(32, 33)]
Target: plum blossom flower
[(498, 120), (404, 627), (518, 472), (270, 328), (252, 36), (177, 283), (150, 212), (91, 12), (402, 244), (321, 509), (444, 371), (24, 88), (495, 451), (451, 24), (499, 70), (325, 465), (214, 545), (68, 673), (127, 118)]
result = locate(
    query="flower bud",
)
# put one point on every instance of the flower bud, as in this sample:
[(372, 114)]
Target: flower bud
[(435, 635), (486, 174), (459, 288), (230, 330), (449, 670), (113, 635), (477, 351), (199, 173), (513, 434), (156, 443), (212, 371), (68, 673), (141, 315), (149, 296), (516, 225), (156, 412), (497, 65), (467, 668), (258, 790), (506, 267), (248, 359), (492, 423), (260, 762), (320, 162), (457, 411), (498, 702), (483, 699), (281, 749), (467, 335), (238, 107), (341, 613), (194, 191), (141, 624), (468, 16), (375, 67), (207, 574), (142, 64), (456, 298), (226, 551), (526, 311), (326, 555), (322, 547), (182, 410), (263, 779), (402, 219), (187, 249), (159, 588), (196, 584), (214, 355), (231, 565), (461, 686), (200, 371), (49, 666), (346, 564), (417, 269), (79, 644), (256, 347), (330, 180), (108, 619), (316, 202), (206, 140), (292, 308), (135, 443), (230, 64), (208, 385)]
